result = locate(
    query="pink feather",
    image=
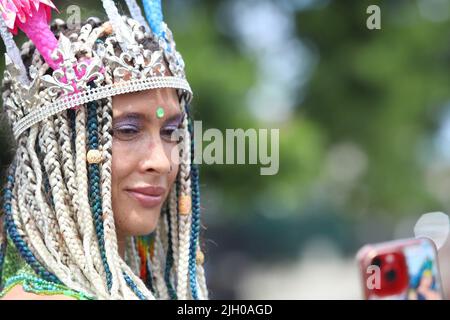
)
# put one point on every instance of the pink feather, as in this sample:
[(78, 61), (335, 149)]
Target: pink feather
[(32, 17), (19, 10)]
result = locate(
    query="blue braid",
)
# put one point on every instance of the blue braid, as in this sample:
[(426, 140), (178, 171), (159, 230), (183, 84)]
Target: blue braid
[(195, 226), (95, 199), (195, 229), (169, 258), (154, 15), (133, 287), (149, 279), (20, 244)]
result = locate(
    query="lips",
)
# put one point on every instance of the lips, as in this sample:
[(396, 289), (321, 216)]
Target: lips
[(148, 197)]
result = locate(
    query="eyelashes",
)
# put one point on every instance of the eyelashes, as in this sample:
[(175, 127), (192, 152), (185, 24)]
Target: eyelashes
[(171, 133), (126, 132)]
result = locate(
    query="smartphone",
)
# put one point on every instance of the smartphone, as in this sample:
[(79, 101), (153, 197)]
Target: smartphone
[(400, 270)]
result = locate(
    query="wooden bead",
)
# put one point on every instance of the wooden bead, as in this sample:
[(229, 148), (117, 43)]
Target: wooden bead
[(94, 156), (200, 257), (184, 204), (107, 28)]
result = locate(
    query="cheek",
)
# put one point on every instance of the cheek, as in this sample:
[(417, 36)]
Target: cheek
[(121, 167), (172, 152), (119, 162), (173, 174)]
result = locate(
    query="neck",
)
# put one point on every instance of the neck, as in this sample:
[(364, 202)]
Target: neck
[(121, 240)]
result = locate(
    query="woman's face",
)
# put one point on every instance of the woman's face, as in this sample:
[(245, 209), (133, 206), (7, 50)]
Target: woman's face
[(143, 168)]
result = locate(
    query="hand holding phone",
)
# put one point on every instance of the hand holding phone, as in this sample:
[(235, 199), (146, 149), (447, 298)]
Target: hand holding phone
[(402, 269)]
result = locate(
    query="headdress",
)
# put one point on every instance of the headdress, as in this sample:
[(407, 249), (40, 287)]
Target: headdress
[(68, 86), (81, 69)]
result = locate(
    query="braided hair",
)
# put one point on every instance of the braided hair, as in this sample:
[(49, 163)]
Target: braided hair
[(58, 209)]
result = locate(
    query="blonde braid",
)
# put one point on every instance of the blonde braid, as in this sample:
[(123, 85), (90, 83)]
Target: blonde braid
[(137, 281), (28, 229), (131, 255), (25, 201), (91, 248), (51, 237), (43, 212), (173, 215), (163, 232), (68, 169), (15, 217), (66, 224), (68, 164), (203, 292), (157, 260), (111, 247), (23, 219), (185, 219)]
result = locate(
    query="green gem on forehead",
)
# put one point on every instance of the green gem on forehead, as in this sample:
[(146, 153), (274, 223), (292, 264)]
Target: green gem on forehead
[(160, 112)]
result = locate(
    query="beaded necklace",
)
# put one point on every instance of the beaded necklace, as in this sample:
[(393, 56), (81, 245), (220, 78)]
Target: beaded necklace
[(33, 284), (18, 272)]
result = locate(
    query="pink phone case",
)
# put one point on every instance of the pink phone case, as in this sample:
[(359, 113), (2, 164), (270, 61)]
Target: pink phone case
[(401, 270)]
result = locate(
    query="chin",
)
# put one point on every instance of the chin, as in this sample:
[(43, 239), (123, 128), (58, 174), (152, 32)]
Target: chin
[(137, 221), (144, 222), (144, 230)]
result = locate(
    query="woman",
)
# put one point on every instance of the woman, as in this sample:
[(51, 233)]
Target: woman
[(102, 200)]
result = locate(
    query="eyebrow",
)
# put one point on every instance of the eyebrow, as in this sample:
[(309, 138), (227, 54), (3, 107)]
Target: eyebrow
[(140, 116)]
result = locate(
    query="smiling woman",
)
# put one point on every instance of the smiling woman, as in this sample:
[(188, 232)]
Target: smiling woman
[(143, 167), (102, 198)]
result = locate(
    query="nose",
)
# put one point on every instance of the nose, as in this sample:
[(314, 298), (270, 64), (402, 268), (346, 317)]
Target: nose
[(155, 159)]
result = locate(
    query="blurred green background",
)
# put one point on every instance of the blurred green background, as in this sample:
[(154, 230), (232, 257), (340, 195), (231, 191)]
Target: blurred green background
[(364, 120)]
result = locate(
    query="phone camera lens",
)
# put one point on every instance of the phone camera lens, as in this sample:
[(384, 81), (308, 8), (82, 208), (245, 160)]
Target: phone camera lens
[(376, 262), (391, 275)]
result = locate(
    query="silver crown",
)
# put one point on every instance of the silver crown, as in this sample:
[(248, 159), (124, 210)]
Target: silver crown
[(135, 69)]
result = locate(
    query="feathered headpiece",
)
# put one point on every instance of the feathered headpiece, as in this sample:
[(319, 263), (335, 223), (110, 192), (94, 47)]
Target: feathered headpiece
[(69, 84), (88, 65)]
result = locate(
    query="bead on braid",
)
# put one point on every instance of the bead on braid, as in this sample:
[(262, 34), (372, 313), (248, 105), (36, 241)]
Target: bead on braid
[(94, 188)]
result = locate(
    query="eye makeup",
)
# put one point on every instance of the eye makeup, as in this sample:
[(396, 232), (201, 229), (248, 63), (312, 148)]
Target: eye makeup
[(128, 125), (174, 120), (171, 126), (127, 121)]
